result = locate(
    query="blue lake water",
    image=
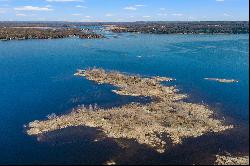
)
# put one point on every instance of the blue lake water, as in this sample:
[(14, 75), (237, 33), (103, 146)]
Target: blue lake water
[(36, 79)]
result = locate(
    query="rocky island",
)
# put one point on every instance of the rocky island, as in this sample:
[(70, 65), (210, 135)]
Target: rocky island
[(222, 80), (167, 114)]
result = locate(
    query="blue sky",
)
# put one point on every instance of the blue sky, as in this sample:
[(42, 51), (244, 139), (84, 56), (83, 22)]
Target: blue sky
[(123, 10)]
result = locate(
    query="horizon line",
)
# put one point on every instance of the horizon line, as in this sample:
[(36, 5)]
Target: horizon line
[(127, 21)]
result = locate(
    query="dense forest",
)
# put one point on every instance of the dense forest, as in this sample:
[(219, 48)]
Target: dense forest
[(239, 27), (22, 33)]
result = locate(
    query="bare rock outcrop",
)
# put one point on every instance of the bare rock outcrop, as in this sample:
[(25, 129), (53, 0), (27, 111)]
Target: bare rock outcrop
[(167, 114), (231, 160), (222, 80)]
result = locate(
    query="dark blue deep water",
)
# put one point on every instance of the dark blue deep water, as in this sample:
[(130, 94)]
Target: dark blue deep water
[(36, 79)]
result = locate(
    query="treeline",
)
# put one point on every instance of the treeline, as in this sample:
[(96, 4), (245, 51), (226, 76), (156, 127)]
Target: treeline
[(239, 27), (55, 24), (22, 33)]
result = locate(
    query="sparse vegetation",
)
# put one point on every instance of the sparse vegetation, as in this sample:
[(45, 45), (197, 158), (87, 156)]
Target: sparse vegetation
[(146, 123), (231, 160)]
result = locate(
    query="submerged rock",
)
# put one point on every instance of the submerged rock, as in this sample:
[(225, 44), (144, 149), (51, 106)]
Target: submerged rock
[(146, 123)]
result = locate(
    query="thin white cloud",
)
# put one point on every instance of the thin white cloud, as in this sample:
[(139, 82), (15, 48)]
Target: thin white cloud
[(226, 15), (139, 5), (130, 8), (4, 5), (2, 11), (177, 14), (64, 0), (87, 16), (108, 15), (220, 0), (80, 6), (146, 16), (191, 18), (85, 20), (162, 14), (21, 15), (32, 8), (133, 7), (162, 8), (120, 19), (76, 14)]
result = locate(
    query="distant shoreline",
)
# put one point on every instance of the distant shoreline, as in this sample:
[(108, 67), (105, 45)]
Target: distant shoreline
[(182, 28), (154, 27), (25, 33)]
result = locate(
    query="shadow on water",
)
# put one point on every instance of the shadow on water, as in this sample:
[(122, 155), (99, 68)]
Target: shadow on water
[(78, 145), (84, 145), (202, 150)]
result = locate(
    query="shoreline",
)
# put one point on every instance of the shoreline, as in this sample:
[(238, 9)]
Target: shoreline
[(13, 33), (69, 37)]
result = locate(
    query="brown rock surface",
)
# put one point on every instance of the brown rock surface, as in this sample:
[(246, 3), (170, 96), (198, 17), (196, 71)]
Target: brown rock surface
[(231, 160), (222, 80)]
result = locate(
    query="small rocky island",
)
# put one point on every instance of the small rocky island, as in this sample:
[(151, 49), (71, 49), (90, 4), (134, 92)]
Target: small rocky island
[(148, 124), (24, 33), (222, 80)]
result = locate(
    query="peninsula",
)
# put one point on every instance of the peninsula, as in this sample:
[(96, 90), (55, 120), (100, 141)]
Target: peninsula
[(22, 33)]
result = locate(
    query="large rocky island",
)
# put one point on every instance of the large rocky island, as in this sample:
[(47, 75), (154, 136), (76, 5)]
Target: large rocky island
[(167, 114)]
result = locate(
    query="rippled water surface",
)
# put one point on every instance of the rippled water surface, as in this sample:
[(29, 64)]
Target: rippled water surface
[(36, 79)]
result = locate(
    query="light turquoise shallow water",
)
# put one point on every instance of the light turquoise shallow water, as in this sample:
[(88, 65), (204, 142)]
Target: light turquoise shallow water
[(36, 79)]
